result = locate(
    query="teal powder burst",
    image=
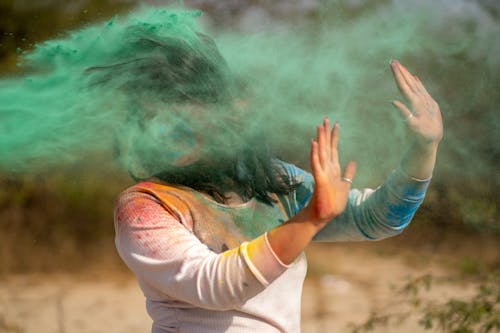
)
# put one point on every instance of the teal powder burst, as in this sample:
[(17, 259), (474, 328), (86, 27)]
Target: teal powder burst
[(80, 93), (82, 90)]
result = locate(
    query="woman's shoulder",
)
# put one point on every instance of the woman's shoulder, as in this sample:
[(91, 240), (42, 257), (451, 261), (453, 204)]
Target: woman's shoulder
[(149, 198), (155, 188), (154, 193)]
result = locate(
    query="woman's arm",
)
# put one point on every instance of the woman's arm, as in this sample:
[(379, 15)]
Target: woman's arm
[(380, 213), (374, 214)]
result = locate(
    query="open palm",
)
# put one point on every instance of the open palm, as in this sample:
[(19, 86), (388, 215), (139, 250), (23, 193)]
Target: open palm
[(423, 118), (331, 189)]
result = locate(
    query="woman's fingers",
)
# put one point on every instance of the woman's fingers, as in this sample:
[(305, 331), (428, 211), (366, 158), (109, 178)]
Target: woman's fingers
[(400, 80), (413, 82), (328, 137), (327, 143), (350, 172), (409, 78), (334, 141), (405, 112), (315, 164), (404, 82), (324, 150), (323, 158), (421, 87)]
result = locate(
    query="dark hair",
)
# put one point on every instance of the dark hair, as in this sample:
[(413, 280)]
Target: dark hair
[(181, 73), (169, 67), (251, 172)]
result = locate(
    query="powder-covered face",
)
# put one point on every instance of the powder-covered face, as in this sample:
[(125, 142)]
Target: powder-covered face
[(180, 134), (176, 136), (186, 131), (162, 136)]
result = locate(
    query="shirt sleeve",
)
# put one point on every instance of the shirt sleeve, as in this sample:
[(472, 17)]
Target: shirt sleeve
[(170, 260), (370, 214)]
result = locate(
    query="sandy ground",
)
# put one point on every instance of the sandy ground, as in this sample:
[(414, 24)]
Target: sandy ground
[(344, 285)]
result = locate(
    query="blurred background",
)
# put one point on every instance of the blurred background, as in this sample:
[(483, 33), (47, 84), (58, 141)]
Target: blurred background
[(59, 271)]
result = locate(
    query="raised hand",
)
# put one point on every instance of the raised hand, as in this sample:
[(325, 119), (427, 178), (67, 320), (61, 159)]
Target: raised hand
[(331, 192), (423, 119), (331, 189)]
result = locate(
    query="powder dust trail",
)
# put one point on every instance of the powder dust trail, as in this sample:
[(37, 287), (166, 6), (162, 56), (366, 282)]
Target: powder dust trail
[(281, 82), (339, 67), (73, 101)]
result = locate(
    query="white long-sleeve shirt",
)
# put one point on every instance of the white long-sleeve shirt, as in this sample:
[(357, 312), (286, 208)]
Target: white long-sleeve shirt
[(190, 254)]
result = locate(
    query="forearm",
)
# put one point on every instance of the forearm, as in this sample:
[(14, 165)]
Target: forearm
[(374, 214), (291, 238), (419, 160)]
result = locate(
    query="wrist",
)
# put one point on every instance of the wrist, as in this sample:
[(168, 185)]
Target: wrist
[(309, 217), (289, 239), (425, 146), (419, 160)]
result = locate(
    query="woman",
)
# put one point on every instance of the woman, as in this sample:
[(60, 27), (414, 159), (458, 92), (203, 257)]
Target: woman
[(216, 239)]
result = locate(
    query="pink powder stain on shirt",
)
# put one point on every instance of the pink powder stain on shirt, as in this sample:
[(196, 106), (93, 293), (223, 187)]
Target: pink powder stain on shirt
[(120, 215)]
